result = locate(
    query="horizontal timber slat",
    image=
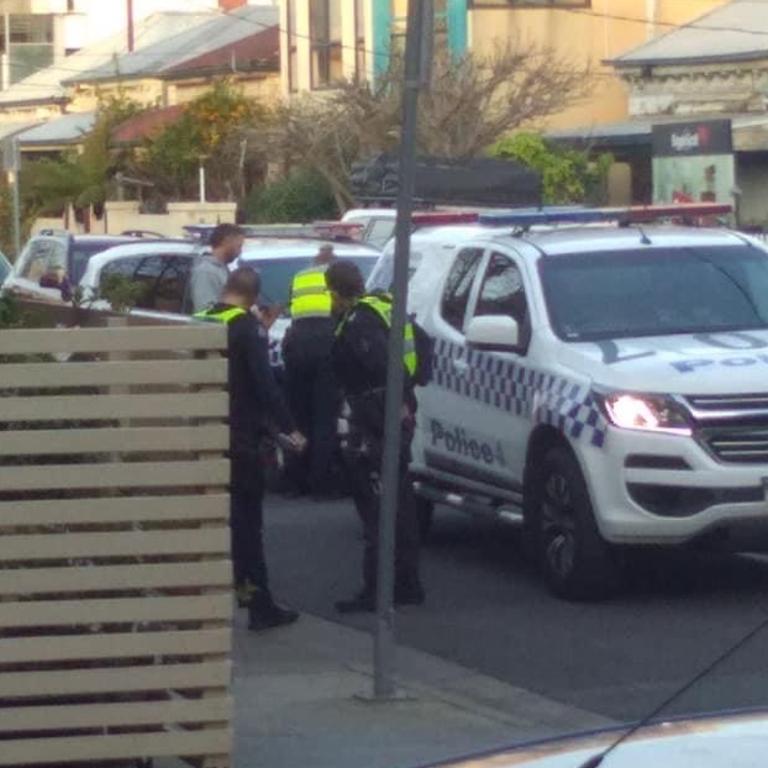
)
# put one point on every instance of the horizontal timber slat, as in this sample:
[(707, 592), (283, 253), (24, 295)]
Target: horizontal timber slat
[(136, 339), (99, 374), (115, 510), (173, 711), (115, 646), (214, 741), (212, 405), (35, 581), (50, 442), (117, 611), (155, 677), (121, 475), (62, 546)]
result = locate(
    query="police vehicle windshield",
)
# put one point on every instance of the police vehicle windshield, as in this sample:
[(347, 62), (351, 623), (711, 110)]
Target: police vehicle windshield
[(277, 274), (656, 292)]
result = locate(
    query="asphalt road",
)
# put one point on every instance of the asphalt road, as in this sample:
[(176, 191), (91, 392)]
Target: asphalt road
[(487, 611)]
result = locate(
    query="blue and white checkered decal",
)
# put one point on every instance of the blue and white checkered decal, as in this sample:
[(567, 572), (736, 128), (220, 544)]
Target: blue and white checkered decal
[(513, 388)]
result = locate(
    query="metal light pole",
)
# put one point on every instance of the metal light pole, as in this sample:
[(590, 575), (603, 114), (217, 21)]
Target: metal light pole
[(130, 26), (201, 178), (384, 646), (12, 167)]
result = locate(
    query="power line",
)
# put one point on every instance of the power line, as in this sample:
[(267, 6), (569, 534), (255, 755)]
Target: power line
[(318, 41), (670, 24)]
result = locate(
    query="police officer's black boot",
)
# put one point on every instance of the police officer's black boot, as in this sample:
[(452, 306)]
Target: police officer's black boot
[(409, 594), (362, 602), (265, 613)]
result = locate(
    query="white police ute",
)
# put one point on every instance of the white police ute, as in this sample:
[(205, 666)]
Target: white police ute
[(607, 384)]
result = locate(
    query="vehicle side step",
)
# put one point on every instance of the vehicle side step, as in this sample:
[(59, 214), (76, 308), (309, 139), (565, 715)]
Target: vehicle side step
[(470, 504)]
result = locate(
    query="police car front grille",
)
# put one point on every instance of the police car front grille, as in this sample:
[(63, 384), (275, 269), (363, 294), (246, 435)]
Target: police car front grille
[(746, 402), (748, 410), (746, 445), (733, 427)]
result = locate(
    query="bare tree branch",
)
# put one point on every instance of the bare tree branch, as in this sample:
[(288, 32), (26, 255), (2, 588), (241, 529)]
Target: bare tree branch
[(471, 103)]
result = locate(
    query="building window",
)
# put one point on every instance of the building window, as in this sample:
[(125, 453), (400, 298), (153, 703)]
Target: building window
[(27, 40), (530, 3), (360, 60), (399, 25), (293, 84), (325, 34)]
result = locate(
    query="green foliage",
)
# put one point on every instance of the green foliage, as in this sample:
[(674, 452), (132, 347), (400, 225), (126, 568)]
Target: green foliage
[(6, 220), (11, 315), (568, 176), (302, 196), (79, 178), (210, 129), (121, 292)]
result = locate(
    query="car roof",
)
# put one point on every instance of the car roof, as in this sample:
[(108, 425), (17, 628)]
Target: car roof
[(585, 239), (104, 238), (368, 213), (285, 248), (445, 233)]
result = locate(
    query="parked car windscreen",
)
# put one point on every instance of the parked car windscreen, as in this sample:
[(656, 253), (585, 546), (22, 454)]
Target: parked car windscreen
[(656, 292), (277, 274), (43, 257)]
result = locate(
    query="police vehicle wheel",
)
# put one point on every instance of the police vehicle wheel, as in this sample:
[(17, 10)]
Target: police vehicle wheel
[(425, 512), (577, 562)]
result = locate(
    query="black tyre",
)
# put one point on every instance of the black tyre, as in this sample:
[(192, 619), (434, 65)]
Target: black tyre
[(425, 512), (577, 562)]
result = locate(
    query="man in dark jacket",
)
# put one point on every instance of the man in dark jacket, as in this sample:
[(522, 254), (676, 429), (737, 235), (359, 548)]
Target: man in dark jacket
[(254, 400), (360, 356)]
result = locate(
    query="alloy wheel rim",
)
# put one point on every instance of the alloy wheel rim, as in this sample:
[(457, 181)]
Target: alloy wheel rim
[(558, 525)]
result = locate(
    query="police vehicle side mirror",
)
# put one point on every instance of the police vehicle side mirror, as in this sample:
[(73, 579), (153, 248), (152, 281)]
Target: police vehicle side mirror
[(499, 332)]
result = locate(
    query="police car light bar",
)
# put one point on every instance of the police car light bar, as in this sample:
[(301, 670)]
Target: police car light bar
[(343, 229), (434, 219), (528, 217), (680, 210)]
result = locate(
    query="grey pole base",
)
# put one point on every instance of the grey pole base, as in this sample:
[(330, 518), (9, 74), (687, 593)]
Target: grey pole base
[(398, 696)]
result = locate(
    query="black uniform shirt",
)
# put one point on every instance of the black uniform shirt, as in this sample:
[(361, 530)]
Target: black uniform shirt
[(255, 399), (360, 354)]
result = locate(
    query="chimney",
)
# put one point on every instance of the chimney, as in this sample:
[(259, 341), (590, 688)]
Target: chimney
[(230, 5)]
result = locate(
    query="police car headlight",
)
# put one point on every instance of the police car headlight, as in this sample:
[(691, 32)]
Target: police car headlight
[(647, 413)]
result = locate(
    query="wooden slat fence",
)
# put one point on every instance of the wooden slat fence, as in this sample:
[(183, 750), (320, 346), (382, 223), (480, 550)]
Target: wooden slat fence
[(115, 577)]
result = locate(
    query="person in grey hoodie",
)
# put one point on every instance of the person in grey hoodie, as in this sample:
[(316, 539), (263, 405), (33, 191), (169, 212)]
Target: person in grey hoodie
[(211, 270)]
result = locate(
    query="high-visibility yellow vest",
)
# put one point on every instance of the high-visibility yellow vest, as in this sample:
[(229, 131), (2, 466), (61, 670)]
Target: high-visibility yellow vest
[(310, 296), (225, 316), (382, 306)]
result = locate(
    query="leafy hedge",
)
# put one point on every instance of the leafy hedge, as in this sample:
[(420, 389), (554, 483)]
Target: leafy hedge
[(303, 196)]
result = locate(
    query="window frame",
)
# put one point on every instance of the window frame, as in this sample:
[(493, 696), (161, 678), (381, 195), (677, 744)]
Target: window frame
[(324, 46), (361, 59), (525, 325), (292, 49), (480, 261), (151, 281)]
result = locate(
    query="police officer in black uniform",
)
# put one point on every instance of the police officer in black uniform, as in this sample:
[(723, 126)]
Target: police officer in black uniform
[(360, 355), (312, 389), (254, 399)]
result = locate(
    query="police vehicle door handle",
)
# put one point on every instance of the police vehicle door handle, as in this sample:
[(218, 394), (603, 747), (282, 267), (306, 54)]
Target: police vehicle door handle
[(461, 367)]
